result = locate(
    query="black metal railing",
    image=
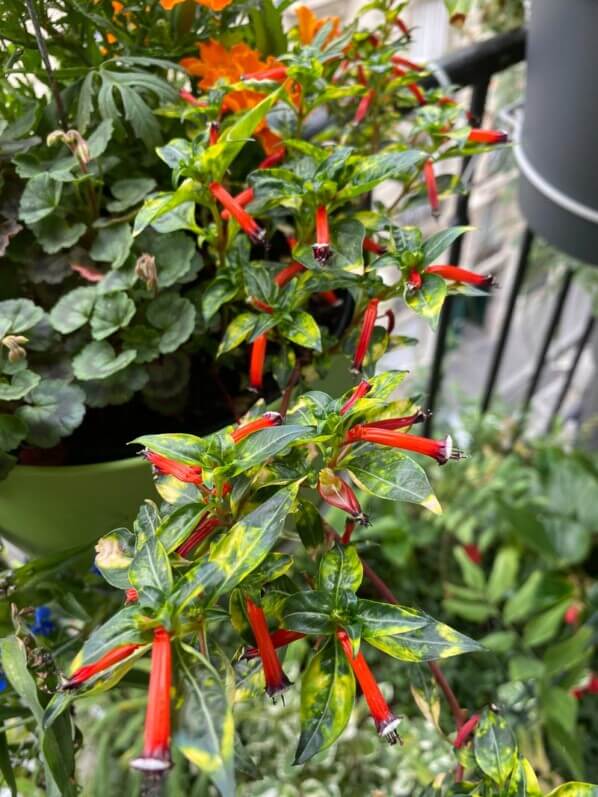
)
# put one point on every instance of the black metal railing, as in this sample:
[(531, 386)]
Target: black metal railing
[(474, 67)]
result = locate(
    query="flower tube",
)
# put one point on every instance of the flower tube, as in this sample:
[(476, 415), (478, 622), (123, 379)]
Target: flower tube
[(365, 336), (386, 722), (245, 221), (267, 420), (156, 741), (431, 187), (280, 639), (164, 466), (360, 391), (321, 248), (478, 136), (203, 530), (111, 658), (257, 362), (440, 450), (276, 680), (463, 275)]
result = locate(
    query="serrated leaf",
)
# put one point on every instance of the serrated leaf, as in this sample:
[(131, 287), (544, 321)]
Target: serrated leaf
[(53, 410), (98, 360), (174, 316), (129, 192), (40, 198), (110, 313), (55, 234), (73, 310), (327, 698), (112, 244), (18, 315), (18, 386)]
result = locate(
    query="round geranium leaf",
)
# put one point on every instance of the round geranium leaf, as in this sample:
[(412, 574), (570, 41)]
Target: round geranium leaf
[(18, 315), (12, 432), (53, 410), (98, 360), (13, 388), (111, 312), (174, 317), (73, 310)]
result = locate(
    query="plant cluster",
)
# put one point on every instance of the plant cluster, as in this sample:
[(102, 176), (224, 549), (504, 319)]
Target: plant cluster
[(263, 256)]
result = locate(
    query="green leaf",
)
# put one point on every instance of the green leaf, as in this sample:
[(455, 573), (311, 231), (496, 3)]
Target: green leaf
[(110, 313), (440, 242), (473, 575), (220, 290), (185, 448), (53, 410), (174, 316), (250, 540), (433, 641), (309, 612), (386, 619), (115, 552), (158, 206), (150, 573), (12, 432), (239, 329), (176, 527), (206, 734), (495, 748), (427, 301), (574, 789), (217, 158), (18, 315), (73, 310), (100, 138), (539, 591), (374, 169), (147, 522), (112, 245), (503, 574), (6, 766), (18, 386), (121, 629), (40, 198), (129, 192), (543, 627), (98, 360), (340, 569), (174, 253), (303, 330), (266, 443), (54, 233), (387, 473), (327, 698), (309, 525)]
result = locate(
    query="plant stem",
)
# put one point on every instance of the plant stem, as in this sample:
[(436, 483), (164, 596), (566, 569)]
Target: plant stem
[(288, 391), (43, 51)]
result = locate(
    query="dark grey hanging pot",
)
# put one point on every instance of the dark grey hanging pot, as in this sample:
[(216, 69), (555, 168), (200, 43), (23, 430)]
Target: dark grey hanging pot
[(558, 144)]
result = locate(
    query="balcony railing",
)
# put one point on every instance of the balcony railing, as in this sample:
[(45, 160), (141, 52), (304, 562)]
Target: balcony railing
[(474, 67)]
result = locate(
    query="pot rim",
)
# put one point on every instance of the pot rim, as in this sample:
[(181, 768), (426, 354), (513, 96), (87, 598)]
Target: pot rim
[(112, 465)]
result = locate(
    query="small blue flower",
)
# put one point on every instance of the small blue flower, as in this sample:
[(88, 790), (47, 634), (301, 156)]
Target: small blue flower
[(3, 682), (94, 569), (43, 625)]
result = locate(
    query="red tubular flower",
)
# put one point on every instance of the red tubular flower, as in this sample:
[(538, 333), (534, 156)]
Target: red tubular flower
[(386, 722), (477, 136), (267, 420), (262, 306), (414, 282), (431, 187), (247, 223), (83, 674), (156, 742), (287, 273), (457, 274), (186, 96), (329, 297), (363, 107), (131, 595), (417, 93), (369, 245), (276, 680), (473, 553), (398, 59), (336, 492), (165, 466), (214, 133), (321, 248), (572, 614), (440, 450), (280, 639), (365, 336), (361, 76), (374, 40), (465, 731), (273, 160), (398, 423), (278, 73), (203, 530), (360, 391), (244, 198), (403, 27), (257, 361)]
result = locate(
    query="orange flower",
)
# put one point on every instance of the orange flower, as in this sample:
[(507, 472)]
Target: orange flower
[(309, 25), (216, 62), (213, 5)]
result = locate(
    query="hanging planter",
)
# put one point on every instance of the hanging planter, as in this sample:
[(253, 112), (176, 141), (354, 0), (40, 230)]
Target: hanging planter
[(557, 152)]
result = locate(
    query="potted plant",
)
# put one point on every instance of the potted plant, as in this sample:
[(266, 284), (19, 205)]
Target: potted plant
[(174, 247)]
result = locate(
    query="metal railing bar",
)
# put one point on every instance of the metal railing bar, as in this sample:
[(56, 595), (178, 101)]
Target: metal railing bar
[(566, 386), (553, 323), (477, 107), (522, 264)]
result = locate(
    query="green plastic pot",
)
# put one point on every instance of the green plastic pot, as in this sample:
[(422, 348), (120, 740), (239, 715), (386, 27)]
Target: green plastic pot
[(49, 509)]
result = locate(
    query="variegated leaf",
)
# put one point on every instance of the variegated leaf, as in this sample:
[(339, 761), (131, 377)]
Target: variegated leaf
[(428, 643), (123, 628), (340, 569), (176, 527), (387, 619), (327, 697), (309, 612), (186, 448), (151, 574), (495, 747)]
